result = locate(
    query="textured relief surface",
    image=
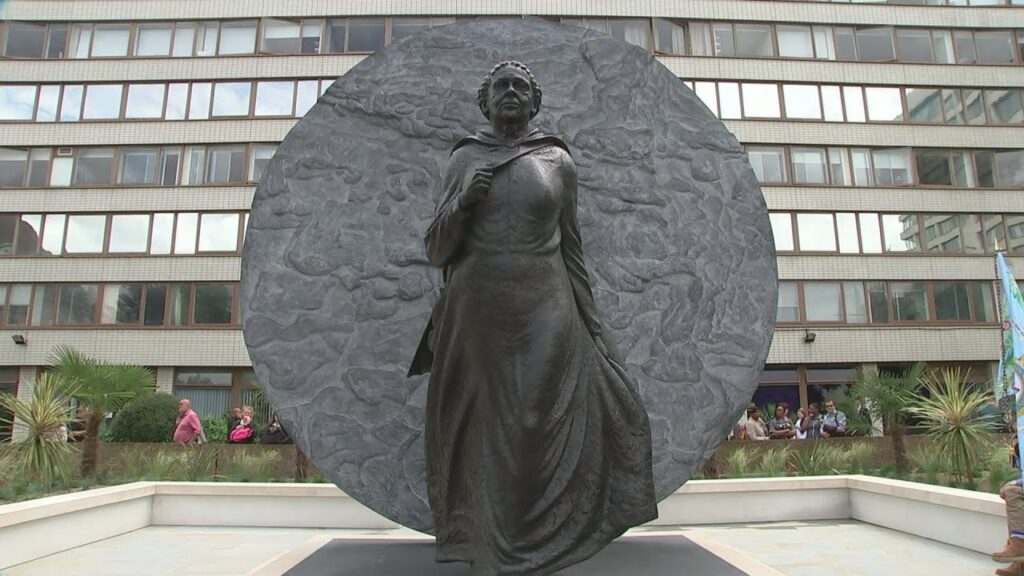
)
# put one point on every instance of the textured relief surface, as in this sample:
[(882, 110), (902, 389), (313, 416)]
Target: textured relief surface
[(336, 290)]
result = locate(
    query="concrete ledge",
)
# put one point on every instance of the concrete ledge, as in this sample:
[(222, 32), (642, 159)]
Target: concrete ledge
[(37, 528)]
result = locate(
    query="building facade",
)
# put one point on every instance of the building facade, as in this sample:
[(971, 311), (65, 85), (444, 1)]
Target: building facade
[(888, 137)]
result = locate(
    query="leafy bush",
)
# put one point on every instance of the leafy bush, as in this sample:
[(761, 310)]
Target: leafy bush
[(216, 429), (999, 469), (740, 463), (148, 418), (860, 457), (774, 462), (823, 458), (44, 454), (930, 463), (251, 466)]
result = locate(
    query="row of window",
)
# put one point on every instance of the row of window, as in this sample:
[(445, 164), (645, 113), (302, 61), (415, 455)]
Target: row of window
[(772, 164), (147, 101), (125, 305), (842, 166), (953, 106), (214, 390), (874, 233), (159, 233), (877, 302), (847, 43), (134, 165), (366, 34)]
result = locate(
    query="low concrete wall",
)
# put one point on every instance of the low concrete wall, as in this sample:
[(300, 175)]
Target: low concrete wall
[(30, 530)]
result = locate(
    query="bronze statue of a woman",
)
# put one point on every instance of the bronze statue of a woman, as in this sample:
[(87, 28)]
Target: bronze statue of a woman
[(538, 445)]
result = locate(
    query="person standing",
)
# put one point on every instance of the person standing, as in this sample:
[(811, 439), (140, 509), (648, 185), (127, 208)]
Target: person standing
[(1014, 550), (187, 428), (811, 423), (243, 432), (755, 426), (780, 428), (834, 422)]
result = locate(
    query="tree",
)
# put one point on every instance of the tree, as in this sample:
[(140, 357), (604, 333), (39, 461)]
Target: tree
[(954, 418), (43, 454), (100, 388), (889, 398)]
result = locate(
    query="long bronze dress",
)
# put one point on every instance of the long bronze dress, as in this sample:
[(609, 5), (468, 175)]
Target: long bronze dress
[(538, 445)]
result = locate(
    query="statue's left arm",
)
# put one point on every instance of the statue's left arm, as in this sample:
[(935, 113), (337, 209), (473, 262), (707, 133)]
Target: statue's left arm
[(572, 254)]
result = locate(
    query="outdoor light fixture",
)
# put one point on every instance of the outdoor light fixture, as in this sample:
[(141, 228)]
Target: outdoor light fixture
[(19, 339), (809, 336)]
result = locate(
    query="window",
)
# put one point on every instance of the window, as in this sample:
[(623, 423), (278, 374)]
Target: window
[(768, 162), (953, 106), (44, 305), (794, 41), (924, 105), (24, 40), (138, 166), (145, 101), (77, 304), (854, 303), (102, 102), (839, 167), (909, 301), (8, 384), (832, 103), (892, 166), (669, 36), (177, 101), (281, 36), (17, 102), (13, 166), (184, 39), (729, 100), (1010, 168), (209, 390), (231, 98), (874, 44), (19, 296), (972, 238), (213, 304), (934, 167), (185, 233), (870, 233), (984, 307), (163, 232), (226, 164), (878, 302), (854, 98), (110, 40), (129, 233), (81, 40), (633, 31), (122, 304), (199, 103), (274, 98), (901, 232), (994, 47), (47, 107), (365, 34), (802, 101), (816, 232), (94, 167), (952, 301), (207, 34), (846, 227), (307, 93), (942, 233), (974, 107), (53, 234), (238, 38), (822, 302), (809, 165), (155, 302), (761, 100), (261, 155), (1003, 106), (754, 40), (789, 303), (85, 234), (782, 230), (218, 232), (914, 45), (57, 39), (154, 39), (884, 104), (71, 106)]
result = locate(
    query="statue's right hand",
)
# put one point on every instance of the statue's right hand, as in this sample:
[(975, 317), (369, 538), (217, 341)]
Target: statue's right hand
[(479, 185)]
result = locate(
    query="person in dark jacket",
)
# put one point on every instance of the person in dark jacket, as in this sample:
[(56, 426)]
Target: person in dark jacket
[(274, 433)]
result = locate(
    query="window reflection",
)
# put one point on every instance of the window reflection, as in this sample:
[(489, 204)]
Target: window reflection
[(85, 234), (17, 102), (129, 233), (816, 232), (145, 101), (102, 102)]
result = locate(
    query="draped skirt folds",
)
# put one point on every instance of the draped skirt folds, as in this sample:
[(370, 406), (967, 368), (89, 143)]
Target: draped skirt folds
[(538, 446)]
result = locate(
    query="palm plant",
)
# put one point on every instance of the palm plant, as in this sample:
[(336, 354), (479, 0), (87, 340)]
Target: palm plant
[(822, 459), (889, 398), (100, 388), (43, 455), (953, 417), (774, 462)]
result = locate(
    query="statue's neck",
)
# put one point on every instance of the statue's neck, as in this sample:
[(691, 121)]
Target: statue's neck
[(510, 132)]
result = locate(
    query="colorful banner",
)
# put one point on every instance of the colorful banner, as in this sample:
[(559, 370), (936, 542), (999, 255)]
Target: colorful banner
[(1010, 380)]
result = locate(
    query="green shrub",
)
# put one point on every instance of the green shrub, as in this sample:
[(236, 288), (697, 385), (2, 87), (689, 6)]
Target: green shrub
[(774, 462), (740, 463), (999, 471), (148, 418), (822, 459), (216, 429), (930, 463), (860, 458), (252, 466)]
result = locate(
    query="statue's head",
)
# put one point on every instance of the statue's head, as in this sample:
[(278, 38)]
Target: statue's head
[(509, 94)]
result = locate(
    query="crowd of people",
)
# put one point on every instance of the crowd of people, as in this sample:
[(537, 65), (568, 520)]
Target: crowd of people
[(810, 422), (188, 428)]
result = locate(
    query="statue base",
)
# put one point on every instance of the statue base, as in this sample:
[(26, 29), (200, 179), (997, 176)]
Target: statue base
[(653, 554)]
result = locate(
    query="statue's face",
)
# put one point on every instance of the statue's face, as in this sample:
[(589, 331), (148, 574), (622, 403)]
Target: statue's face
[(510, 98)]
